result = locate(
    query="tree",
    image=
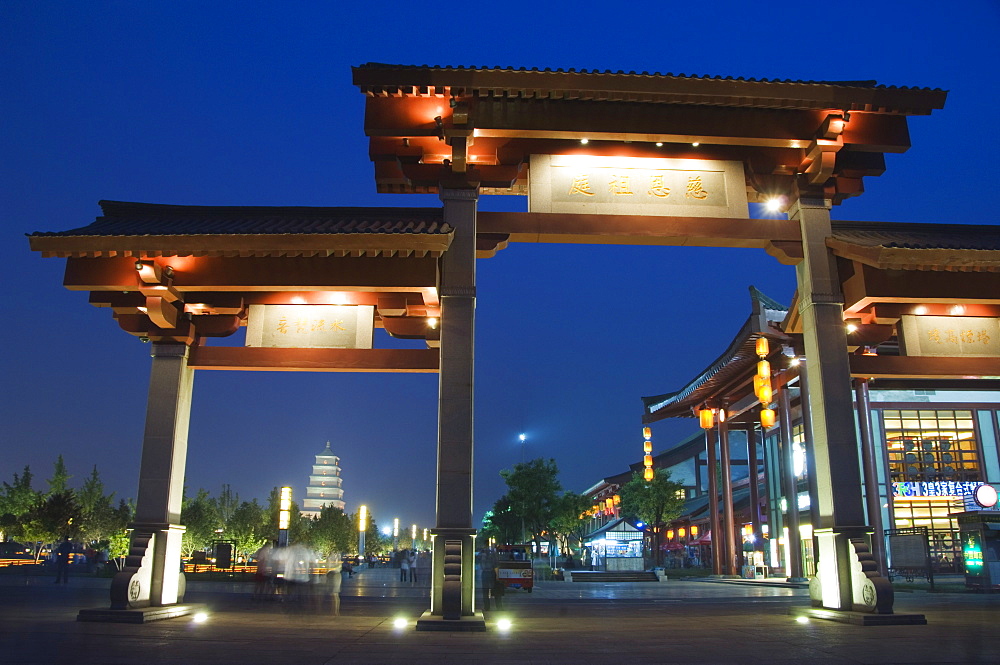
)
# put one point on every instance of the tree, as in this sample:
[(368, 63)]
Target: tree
[(99, 518), (16, 501), (333, 531), (532, 491), (247, 528), (501, 523), (201, 517), (119, 540), (373, 538), (566, 524), (60, 477), (58, 516), (226, 504), (655, 502)]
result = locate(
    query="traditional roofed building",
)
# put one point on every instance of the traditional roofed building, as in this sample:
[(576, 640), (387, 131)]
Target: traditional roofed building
[(324, 484)]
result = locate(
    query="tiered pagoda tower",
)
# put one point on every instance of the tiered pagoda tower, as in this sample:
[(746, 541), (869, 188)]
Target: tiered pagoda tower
[(324, 484)]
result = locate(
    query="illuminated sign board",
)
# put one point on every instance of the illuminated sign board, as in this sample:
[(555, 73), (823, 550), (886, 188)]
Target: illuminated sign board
[(952, 336), (972, 552), (923, 489), (311, 326), (637, 186)]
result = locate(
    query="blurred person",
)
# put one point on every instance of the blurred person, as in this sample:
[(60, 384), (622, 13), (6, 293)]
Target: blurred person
[(404, 565), (334, 581), (264, 576), (412, 560), (62, 561), (488, 577)]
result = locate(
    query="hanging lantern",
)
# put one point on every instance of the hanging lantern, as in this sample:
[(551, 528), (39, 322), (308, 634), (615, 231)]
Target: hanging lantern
[(647, 446), (765, 394), (764, 368), (762, 347), (670, 534), (618, 499), (767, 418), (681, 532), (758, 381), (694, 530), (647, 460), (647, 474), (609, 502), (647, 433), (706, 419)]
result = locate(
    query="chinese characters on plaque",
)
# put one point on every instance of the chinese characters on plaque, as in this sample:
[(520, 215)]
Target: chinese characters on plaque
[(636, 186), (951, 336), (311, 326)]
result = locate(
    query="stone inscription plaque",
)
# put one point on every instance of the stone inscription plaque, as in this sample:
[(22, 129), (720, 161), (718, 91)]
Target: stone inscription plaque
[(636, 186), (311, 326)]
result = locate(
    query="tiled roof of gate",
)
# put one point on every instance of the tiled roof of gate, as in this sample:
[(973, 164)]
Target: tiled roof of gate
[(145, 219), (919, 236), (604, 85)]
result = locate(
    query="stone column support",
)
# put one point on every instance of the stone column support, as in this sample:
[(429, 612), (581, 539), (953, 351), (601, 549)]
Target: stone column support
[(873, 491), (728, 519), (835, 451), (718, 541), (758, 536), (453, 580), (152, 575), (790, 485)]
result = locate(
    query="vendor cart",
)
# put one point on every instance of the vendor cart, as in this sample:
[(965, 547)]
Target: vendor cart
[(514, 567)]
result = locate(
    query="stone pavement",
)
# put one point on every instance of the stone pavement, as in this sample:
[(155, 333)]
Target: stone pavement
[(561, 622)]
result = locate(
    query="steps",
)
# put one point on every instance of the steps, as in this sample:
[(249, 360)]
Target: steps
[(614, 576)]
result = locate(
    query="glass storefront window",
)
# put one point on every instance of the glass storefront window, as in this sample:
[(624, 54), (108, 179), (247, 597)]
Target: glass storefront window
[(930, 446)]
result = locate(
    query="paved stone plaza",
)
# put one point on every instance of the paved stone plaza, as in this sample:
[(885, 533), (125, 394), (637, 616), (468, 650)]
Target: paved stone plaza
[(672, 622)]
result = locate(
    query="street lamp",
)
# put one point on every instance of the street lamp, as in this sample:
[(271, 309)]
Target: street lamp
[(362, 528), (522, 437), (395, 533), (284, 514)]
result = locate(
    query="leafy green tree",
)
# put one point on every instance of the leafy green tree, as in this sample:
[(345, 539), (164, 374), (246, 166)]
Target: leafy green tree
[(226, 504), (533, 490), (60, 477), (501, 523), (200, 515), (247, 528), (333, 531), (566, 524), (655, 502), (16, 500), (373, 538), (57, 517), (118, 541), (99, 518)]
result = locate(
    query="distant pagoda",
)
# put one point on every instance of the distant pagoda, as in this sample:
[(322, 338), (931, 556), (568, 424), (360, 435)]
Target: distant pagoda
[(324, 484)]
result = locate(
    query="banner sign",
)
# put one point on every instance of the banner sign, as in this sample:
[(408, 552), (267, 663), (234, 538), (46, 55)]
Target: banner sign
[(637, 186), (311, 326), (913, 490), (950, 336)]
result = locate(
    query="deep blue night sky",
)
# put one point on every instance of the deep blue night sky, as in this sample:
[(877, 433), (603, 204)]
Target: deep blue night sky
[(251, 103)]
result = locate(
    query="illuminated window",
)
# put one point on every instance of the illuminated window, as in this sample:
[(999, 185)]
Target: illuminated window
[(931, 445)]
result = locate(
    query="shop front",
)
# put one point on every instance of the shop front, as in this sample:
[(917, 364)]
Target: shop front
[(616, 547)]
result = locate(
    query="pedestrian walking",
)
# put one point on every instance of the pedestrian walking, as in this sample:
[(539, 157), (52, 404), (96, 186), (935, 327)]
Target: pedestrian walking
[(404, 566), (62, 561)]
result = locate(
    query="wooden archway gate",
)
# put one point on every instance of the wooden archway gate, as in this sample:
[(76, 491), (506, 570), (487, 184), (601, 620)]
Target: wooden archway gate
[(461, 132)]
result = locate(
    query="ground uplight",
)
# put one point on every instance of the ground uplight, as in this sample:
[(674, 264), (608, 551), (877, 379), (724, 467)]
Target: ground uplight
[(503, 624), (802, 619), (400, 623), (200, 617)]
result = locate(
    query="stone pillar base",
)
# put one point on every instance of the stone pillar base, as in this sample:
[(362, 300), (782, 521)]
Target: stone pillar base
[(847, 576), (453, 573), (152, 575), (428, 621)]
